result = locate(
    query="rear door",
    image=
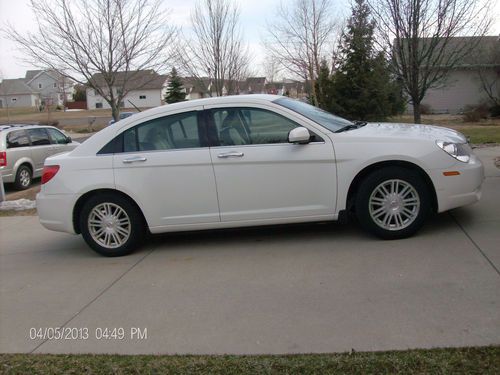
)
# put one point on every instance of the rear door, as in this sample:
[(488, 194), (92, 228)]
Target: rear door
[(40, 147), (165, 166)]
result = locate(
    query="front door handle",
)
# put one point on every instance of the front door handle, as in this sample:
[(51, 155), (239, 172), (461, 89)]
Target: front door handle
[(232, 154), (134, 159)]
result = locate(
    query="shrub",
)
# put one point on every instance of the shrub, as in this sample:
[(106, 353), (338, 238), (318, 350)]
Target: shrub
[(475, 113), (495, 110), (425, 109), (50, 123)]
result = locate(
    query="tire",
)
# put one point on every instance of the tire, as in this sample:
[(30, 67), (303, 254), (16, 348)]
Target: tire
[(24, 177), (392, 203), (111, 225)]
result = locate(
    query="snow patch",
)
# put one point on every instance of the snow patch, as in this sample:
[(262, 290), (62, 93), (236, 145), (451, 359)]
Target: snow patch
[(17, 205)]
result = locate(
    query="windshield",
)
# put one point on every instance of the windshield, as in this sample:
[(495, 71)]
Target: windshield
[(323, 118)]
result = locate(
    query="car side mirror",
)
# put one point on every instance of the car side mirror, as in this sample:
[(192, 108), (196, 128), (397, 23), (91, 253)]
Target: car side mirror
[(299, 135), (68, 139)]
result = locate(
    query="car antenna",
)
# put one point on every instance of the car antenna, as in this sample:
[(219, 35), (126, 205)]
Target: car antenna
[(134, 105)]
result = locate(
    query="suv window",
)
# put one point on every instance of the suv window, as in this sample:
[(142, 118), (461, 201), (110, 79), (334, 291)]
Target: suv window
[(165, 133), (57, 137), (39, 137), (242, 126), (17, 138)]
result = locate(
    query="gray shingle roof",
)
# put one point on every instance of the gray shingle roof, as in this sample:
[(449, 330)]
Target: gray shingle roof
[(135, 80), (15, 87)]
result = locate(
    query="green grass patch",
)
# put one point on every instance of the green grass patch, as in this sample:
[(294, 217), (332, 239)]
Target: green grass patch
[(484, 134), (478, 360)]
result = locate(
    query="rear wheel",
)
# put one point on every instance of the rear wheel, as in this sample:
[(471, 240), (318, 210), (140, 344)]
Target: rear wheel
[(23, 178), (111, 225), (392, 203)]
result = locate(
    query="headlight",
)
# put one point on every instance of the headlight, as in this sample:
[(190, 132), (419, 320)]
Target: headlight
[(460, 151)]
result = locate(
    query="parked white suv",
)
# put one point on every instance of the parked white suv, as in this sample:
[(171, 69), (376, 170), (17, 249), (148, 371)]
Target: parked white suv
[(24, 148), (252, 160)]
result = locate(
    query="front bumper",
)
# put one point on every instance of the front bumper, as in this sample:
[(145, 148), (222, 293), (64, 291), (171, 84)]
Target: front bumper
[(56, 211), (458, 190)]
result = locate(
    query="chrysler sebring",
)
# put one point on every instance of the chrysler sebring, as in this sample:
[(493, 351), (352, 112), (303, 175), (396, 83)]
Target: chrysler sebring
[(252, 160)]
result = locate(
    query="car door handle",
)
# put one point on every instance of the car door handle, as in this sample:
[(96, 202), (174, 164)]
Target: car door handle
[(232, 154), (134, 159)]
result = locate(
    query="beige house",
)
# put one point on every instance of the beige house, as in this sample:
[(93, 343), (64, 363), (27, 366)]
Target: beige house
[(465, 83)]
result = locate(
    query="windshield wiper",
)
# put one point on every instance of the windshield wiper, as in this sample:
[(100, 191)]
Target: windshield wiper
[(356, 125)]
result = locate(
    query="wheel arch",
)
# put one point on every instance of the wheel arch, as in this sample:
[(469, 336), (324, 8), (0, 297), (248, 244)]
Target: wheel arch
[(355, 183), (77, 208)]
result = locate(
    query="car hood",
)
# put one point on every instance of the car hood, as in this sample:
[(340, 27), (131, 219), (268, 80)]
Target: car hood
[(410, 131)]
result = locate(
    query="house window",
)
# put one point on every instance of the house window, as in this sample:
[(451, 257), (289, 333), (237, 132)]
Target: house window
[(39, 85), (13, 99), (98, 105), (55, 85), (142, 97), (122, 104)]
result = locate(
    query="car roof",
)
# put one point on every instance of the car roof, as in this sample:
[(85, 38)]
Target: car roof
[(23, 126)]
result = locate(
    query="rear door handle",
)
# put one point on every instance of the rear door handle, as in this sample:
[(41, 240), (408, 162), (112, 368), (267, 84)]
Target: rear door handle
[(134, 159), (232, 154)]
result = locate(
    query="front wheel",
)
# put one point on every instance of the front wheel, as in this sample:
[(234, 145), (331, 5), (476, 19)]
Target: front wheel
[(392, 203), (111, 225)]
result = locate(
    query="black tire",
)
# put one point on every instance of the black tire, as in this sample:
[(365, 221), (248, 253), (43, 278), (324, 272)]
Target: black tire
[(24, 178), (372, 209), (136, 225)]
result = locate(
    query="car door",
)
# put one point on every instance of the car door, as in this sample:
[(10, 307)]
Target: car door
[(59, 141), (40, 147), (260, 176), (166, 167)]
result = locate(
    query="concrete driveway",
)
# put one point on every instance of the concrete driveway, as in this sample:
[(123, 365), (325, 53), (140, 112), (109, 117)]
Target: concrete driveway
[(308, 288)]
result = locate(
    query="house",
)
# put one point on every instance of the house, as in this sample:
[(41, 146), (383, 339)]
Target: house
[(38, 87), (197, 88), (15, 93), (54, 88), (145, 89), (464, 83), (254, 85)]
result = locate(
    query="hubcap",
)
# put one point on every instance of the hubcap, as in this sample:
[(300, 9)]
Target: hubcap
[(394, 204), (24, 177), (109, 225)]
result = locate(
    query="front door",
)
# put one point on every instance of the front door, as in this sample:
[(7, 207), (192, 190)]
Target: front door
[(260, 176)]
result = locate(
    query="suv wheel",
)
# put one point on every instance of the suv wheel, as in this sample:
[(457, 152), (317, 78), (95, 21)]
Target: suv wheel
[(392, 203), (23, 178), (111, 225)]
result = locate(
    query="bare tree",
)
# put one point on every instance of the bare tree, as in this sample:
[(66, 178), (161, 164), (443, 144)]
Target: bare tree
[(421, 37), (271, 68), (300, 37), (91, 41), (488, 70), (217, 50)]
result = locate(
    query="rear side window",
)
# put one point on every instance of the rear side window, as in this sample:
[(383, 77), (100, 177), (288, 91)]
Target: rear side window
[(39, 137), (17, 138), (165, 133)]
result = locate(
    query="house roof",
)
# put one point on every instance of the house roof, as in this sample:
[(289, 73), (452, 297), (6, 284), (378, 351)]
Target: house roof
[(16, 86), (133, 80), (484, 52), (32, 74)]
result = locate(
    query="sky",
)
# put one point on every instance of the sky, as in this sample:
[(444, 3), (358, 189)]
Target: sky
[(254, 14)]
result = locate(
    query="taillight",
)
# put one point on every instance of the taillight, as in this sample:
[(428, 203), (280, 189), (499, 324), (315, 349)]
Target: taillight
[(48, 172), (3, 158)]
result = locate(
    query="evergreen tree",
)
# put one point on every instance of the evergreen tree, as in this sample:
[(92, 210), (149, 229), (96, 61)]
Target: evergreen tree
[(175, 90), (363, 88)]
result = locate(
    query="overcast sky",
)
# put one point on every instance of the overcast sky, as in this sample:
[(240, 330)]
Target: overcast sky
[(254, 14)]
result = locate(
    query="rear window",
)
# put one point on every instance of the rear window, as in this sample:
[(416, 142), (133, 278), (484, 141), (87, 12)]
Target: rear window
[(17, 138)]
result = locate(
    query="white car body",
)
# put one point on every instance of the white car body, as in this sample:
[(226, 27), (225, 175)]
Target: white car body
[(201, 188)]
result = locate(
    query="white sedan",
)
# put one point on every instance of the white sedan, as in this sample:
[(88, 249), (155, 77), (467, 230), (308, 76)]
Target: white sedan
[(252, 160)]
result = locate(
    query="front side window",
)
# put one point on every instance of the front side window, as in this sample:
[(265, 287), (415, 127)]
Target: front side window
[(17, 138), (57, 137), (39, 137), (164, 133), (247, 126)]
